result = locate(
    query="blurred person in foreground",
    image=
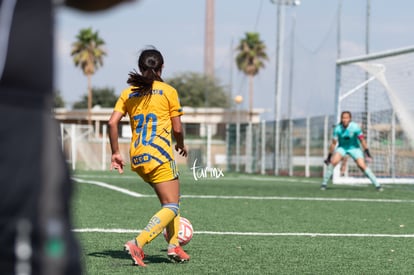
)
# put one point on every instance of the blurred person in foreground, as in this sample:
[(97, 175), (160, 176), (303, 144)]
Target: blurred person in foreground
[(35, 222), (155, 116), (349, 138)]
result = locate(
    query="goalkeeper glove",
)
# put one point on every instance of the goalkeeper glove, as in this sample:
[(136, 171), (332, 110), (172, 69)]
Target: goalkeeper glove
[(368, 156), (328, 159)]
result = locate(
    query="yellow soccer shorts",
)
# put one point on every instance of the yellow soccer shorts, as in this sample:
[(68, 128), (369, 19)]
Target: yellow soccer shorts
[(165, 172)]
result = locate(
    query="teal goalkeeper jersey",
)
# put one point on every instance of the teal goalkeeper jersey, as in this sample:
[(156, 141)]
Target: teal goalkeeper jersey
[(348, 137)]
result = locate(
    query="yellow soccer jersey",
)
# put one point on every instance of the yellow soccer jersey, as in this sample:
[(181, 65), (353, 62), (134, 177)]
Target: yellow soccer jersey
[(150, 118)]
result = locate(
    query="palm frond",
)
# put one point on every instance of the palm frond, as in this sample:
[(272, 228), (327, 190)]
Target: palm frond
[(87, 51)]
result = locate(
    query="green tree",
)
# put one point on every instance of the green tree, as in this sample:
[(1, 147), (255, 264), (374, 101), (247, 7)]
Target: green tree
[(87, 53), (58, 100), (104, 97), (251, 55), (197, 90)]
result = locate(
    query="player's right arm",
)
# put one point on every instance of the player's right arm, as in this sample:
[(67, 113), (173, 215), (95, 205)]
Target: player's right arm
[(330, 151), (116, 159), (332, 146)]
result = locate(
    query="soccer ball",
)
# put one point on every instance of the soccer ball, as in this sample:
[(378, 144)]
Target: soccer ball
[(185, 233)]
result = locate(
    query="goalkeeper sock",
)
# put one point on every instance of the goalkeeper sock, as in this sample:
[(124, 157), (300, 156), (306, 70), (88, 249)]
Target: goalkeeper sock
[(157, 224), (371, 177), (328, 174)]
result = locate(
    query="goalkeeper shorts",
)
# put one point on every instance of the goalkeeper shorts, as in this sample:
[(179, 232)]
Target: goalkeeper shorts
[(355, 153)]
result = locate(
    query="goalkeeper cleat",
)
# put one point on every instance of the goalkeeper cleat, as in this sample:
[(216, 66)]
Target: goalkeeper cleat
[(177, 254), (323, 187), (137, 254), (379, 188)]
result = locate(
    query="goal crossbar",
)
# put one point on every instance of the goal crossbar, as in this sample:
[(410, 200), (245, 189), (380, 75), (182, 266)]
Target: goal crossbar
[(377, 55)]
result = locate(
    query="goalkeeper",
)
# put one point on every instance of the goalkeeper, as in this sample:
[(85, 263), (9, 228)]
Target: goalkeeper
[(349, 138)]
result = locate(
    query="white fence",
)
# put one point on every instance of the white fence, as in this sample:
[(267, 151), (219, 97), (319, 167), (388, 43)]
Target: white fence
[(249, 148)]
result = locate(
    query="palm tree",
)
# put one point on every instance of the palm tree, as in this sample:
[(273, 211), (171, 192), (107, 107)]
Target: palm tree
[(88, 54), (250, 59)]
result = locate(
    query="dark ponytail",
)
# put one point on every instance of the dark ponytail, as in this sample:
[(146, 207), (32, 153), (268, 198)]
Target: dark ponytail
[(150, 64)]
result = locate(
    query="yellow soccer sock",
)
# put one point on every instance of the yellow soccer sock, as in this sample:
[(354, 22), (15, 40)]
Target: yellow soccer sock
[(172, 231), (155, 226)]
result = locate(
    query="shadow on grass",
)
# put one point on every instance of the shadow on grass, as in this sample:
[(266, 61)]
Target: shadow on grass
[(117, 254), (350, 188)]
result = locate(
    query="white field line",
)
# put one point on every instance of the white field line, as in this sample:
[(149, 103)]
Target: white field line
[(274, 179), (138, 195), (134, 194), (225, 178), (295, 198), (114, 176), (265, 234), (115, 188)]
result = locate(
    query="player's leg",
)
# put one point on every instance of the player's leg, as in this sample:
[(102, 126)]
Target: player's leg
[(169, 197), (368, 172), (335, 159), (172, 231), (168, 194), (358, 156), (175, 251), (344, 165)]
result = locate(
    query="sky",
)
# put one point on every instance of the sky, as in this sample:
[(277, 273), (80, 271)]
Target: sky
[(176, 28)]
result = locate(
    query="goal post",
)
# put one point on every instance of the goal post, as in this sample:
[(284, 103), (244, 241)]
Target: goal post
[(378, 90)]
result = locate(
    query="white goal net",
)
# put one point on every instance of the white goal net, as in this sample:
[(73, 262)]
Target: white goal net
[(378, 90)]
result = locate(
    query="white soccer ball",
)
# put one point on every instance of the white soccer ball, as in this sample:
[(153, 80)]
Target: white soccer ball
[(185, 233)]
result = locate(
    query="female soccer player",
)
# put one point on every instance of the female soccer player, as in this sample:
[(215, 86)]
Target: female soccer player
[(349, 137), (154, 111)]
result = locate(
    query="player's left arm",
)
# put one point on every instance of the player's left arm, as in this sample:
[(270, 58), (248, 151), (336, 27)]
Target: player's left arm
[(364, 146), (176, 112), (177, 129)]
